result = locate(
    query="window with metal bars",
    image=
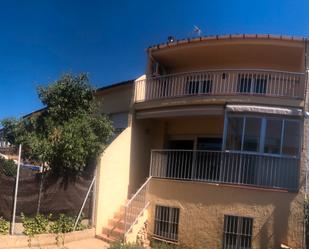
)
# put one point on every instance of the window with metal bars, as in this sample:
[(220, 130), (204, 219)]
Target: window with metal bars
[(166, 222), (237, 232)]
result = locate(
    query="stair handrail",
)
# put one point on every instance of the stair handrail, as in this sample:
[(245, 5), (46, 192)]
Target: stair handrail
[(127, 206)]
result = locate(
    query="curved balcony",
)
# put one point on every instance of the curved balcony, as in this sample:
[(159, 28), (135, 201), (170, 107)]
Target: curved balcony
[(221, 82)]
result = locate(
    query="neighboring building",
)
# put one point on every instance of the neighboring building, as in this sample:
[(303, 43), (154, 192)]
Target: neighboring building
[(218, 127)]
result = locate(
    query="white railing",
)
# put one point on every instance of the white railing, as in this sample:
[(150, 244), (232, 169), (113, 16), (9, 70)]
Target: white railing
[(135, 207), (221, 82), (258, 170)]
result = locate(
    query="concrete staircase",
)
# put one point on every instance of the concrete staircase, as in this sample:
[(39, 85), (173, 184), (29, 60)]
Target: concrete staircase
[(114, 231)]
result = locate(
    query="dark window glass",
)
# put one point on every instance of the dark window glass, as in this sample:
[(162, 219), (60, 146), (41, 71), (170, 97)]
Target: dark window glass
[(291, 138), (234, 133), (237, 232), (166, 222), (273, 136), (252, 134)]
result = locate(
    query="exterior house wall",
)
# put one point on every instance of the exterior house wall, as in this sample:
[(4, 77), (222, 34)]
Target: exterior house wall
[(113, 179), (114, 165), (277, 216), (115, 100)]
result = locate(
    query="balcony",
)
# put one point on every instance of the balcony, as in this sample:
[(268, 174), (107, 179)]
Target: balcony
[(258, 170), (221, 82)]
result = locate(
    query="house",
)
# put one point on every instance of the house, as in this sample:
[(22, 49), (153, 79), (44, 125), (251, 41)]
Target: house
[(213, 145)]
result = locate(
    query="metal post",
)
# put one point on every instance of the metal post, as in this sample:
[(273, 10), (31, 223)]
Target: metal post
[(41, 187), (94, 200), (16, 191), (84, 203)]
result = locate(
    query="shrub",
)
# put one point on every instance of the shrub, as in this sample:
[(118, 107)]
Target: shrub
[(162, 245), (65, 224), (8, 167), (35, 225), (4, 226), (119, 245)]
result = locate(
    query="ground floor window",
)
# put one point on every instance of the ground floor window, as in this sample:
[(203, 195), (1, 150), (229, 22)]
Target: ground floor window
[(166, 222), (237, 232)]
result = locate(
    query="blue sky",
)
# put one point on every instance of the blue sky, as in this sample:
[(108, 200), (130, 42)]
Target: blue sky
[(40, 40)]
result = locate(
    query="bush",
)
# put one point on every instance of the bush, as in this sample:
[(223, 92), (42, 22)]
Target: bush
[(119, 245), (65, 224), (8, 167), (4, 226), (162, 245), (35, 225)]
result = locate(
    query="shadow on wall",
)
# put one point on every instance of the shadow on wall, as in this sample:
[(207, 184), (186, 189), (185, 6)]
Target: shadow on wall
[(141, 144)]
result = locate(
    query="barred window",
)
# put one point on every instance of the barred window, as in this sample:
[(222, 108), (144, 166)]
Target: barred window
[(166, 222), (237, 232)]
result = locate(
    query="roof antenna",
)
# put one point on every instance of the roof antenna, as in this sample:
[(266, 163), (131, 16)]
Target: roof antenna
[(170, 39), (197, 31)]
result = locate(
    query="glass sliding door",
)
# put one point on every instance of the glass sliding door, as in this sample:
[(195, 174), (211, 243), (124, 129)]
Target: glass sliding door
[(207, 165)]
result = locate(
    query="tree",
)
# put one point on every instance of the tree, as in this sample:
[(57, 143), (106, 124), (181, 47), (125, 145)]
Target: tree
[(68, 133)]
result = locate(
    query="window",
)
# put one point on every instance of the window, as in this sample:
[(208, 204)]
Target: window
[(237, 232), (166, 222), (234, 133), (291, 138), (263, 135), (251, 83), (252, 134), (273, 136)]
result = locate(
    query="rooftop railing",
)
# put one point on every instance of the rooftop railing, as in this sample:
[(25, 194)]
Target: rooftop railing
[(221, 82), (259, 170)]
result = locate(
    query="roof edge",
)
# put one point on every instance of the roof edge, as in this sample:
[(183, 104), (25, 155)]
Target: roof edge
[(226, 37)]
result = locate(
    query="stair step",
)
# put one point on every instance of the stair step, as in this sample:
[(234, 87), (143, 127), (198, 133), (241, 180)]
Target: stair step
[(119, 223), (106, 238), (113, 231)]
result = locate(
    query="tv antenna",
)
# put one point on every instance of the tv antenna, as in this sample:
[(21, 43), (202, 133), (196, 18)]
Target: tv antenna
[(197, 31)]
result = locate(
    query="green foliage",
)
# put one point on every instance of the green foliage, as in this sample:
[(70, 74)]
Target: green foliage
[(65, 224), (35, 225), (162, 245), (119, 245), (306, 219), (69, 133), (8, 167), (4, 226)]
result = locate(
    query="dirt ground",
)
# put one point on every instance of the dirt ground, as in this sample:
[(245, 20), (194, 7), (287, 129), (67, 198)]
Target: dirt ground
[(82, 244)]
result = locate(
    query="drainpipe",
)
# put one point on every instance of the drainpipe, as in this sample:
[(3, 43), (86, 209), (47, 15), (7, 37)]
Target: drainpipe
[(306, 133)]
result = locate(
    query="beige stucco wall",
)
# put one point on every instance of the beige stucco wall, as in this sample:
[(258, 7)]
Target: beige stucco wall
[(113, 179), (278, 216), (115, 100)]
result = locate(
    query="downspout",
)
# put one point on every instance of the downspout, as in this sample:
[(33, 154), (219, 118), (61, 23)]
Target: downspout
[(306, 129)]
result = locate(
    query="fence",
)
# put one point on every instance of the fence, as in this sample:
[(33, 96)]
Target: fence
[(226, 167), (43, 193), (221, 82)]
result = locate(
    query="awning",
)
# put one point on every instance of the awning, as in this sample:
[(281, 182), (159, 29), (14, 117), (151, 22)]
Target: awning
[(265, 109), (181, 112)]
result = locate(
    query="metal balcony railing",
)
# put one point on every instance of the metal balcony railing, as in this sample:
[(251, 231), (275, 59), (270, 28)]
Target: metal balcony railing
[(221, 82), (260, 170)]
